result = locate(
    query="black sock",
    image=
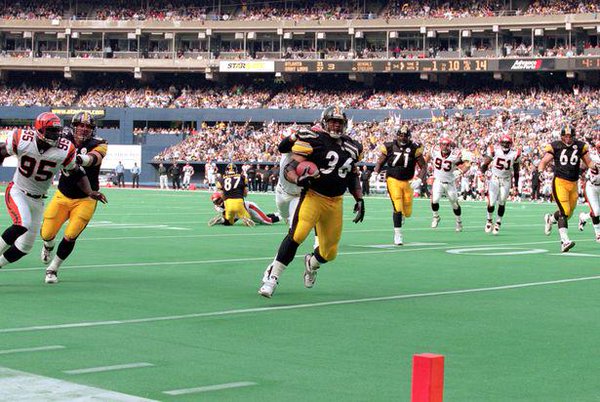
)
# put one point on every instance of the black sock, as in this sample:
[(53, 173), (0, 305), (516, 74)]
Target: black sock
[(13, 254), (397, 217), (64, 249), (12, 233), (287, 250), (501, 209)]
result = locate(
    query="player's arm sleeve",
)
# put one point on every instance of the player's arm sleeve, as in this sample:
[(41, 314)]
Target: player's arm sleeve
[(70, 162), (285, 146), (303, 148), (353, 184), (97, 154)]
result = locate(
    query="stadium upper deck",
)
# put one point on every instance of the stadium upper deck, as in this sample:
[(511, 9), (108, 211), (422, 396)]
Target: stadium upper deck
[(417, 37)]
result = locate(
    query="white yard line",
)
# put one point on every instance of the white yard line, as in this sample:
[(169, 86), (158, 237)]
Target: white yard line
[(208, 388), (25, 350), (255, 310), (400, 249), (21, 386), (108, 368)]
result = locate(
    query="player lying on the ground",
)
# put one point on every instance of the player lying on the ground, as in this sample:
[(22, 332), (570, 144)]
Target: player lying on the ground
[(257, 215)]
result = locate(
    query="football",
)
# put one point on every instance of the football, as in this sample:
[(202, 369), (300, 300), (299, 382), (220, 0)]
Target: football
[(306, 167)]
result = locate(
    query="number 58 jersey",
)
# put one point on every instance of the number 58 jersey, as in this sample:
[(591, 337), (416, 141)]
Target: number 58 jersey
[(503, 162), (35, 168)]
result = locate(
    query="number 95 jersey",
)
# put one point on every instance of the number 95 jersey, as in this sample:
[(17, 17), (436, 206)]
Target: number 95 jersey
[(567, 158), (36, 169), (336, 158)]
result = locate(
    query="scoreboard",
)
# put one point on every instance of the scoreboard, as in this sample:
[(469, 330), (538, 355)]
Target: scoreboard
[(382, 66)]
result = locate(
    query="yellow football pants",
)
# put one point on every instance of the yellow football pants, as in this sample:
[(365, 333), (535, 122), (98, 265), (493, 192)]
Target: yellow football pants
[(565, 195), (324, 213), (78, 211), (235, 208), (401, 195)]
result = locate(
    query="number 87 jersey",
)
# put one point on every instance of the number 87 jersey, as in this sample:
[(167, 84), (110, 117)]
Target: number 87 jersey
[(36, 169)]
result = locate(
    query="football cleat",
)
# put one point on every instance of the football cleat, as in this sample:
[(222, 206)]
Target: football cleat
[(398, 240), (268, 287), (582, 221), (496, 228), (547, 224), (248, 222), (46, 256), (51, 276), (488, 226), (310, 274), (217, 220), (436, 221), (598, 238), (459, 226), (566, 246), (266, 274)]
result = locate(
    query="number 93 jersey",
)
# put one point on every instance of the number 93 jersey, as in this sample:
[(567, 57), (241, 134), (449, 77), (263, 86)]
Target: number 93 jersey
[(36, 169), (401, 159), (444, 166), (567, 158), (335, 158), (503, 162)]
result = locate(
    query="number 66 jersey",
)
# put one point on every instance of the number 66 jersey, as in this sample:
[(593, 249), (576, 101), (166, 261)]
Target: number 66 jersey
[(35, 167)]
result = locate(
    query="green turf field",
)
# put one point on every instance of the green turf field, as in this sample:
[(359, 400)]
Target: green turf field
[(151, 286)]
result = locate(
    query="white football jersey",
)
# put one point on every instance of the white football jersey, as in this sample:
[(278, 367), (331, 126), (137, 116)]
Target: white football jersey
[(188, 170), (36, 169), (503, 162), (593, 175), (444, 166), (288, 186)]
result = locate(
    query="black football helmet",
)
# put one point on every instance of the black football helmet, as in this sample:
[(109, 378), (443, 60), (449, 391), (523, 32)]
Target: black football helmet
[(231, 169), (334, 113), (567, 134), (84, 126), (403, 134)]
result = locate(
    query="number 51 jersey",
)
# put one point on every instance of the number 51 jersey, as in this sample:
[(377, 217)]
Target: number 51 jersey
[(35, 168), (503, 162)]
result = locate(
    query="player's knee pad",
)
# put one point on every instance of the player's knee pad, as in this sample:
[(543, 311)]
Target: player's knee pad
[(12, 233), (457, 210), (595, 220), (491, 209), (563, 221), (287, 250), (435, 206), (397, 204), (501, 209)]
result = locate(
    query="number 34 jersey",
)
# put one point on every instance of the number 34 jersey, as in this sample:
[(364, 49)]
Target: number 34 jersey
[(503, 162), (35, 168), (567, 158), (444, 166), (335, 158)]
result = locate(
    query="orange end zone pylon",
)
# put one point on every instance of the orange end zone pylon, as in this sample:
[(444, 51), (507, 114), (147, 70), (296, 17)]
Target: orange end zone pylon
[(428, 378)]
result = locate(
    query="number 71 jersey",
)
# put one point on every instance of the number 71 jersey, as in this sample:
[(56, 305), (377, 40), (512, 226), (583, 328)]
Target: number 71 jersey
[(35, 168), (503, 162)]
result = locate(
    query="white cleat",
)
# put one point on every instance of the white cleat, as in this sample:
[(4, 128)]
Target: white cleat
[(398, 240), (266, 274), (435, 222), (566, 246), (248, 222), (488, 226), (496, 229), (582, 221), (217, 220), (459, 226), (46, 256), (268, 287), (547, 224), (51, 276), (310, 274)]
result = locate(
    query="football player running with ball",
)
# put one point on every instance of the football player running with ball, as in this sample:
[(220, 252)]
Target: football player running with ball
[(567, 154), (40, 153), (70, 202), (401, 157), (505, 166), (320, 204)]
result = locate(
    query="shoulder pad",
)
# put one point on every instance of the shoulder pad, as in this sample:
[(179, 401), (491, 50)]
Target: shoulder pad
[(306, 134)]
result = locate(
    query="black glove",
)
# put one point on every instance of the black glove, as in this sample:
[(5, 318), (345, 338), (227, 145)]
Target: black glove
[(359, 210), (306, 179), (98, 196)]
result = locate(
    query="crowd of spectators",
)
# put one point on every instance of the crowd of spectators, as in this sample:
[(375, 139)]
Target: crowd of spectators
[(190, 10), (470, 133), (56, 94)]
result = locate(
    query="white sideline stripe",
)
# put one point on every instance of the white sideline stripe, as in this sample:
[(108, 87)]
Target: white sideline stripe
[(207, 388), (21, 386), (396, 249), (577, 254), (245, 234), (292, 306), (108, 368), (38, 349)]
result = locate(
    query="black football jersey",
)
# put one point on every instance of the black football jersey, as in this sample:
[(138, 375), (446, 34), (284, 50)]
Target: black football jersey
[(401, 159), (335, 158), (232, 185), (567, 158), (67, 184)]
